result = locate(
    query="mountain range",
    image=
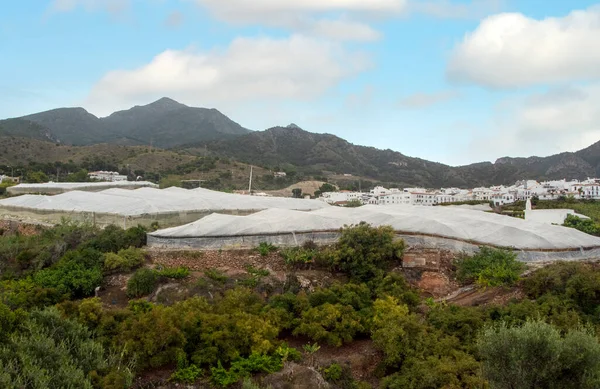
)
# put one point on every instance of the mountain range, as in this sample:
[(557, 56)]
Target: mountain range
[(164, 124), (171, 125)]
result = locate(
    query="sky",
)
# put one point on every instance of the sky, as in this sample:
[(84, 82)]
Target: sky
[(452, 81)]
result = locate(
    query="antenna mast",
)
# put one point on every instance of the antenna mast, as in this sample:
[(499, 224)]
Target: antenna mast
[(250, 185)]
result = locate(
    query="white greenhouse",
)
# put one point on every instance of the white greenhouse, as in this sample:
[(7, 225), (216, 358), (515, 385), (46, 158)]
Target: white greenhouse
[(454, 229), (62, 187), (169, 207)]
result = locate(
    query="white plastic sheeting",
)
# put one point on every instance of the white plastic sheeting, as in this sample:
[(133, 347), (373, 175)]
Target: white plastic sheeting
[(59, 187), (148, 201), (473, 227)]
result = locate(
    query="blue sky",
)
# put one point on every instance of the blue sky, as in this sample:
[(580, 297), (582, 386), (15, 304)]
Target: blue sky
[(446, 80)]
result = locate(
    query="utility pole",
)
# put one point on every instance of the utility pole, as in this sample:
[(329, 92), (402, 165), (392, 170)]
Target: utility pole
[(250, 185)]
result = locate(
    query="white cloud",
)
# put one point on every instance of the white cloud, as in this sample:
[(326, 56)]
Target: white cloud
[(279, 11), (512, 50), (342, 30), (445, 9), (111, 6), (425, 100), (561, 119), (297, 67)]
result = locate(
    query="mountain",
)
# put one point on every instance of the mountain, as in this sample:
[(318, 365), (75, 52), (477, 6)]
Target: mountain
[(319, 154), (26, 129), (164, 124), (167, 123), (70, 125)]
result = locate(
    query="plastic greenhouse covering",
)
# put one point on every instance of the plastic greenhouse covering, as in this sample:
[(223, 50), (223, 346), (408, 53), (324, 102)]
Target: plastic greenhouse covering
[(174, 206), (473, 227)]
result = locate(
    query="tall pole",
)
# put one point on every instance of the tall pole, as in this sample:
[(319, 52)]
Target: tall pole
[(250, 185)]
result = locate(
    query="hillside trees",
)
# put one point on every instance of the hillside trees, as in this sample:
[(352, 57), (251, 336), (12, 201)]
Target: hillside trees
[(535, 355)]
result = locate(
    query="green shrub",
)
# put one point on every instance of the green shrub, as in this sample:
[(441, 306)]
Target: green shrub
[(298, 256), (364, 251), (243, 367), (585, 225), (535, 355), (50, 352), (333, 373), (124, 260), (142, 282), (187, 375), (265, 248), (174, 272), (113, 262), (216, 275), (396, 332), (573, 282), (332, 323), (153, 337), (77, 274), (489, 267), (395, 285)]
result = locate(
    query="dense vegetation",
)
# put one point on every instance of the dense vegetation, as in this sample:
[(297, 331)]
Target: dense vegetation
[(53, 333)]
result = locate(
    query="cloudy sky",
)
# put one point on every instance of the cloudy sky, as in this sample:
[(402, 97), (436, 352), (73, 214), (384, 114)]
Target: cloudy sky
[(455, 81)]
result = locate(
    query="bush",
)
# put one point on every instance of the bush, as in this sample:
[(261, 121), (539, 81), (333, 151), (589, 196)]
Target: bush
[(573, 282), (331, 323), (536, 356), (50, 352), (333, 373), (585, 225), (174, 272), (265, 248), (216, 275), (186, 375), (364, 251), (124, 260), (141, 283), (77, 274), (489, 267), (299, 256), (396, 332), (243, 367)]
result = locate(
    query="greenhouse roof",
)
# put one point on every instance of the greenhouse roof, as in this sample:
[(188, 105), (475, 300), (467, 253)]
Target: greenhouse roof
[(453, 223), (154, 201)]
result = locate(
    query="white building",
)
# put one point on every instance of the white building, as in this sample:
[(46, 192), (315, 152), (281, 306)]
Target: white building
[(107, 176), (380, 191), (442, 198), (424, 198), (396, 198), (341, 197), (590, 191), (280, 174), (503, 198)]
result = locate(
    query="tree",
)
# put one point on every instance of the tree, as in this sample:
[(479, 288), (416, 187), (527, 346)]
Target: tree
[(36, 177), (297, 193), (535, 355), (327, 187), (489, 267), (364, 251)]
